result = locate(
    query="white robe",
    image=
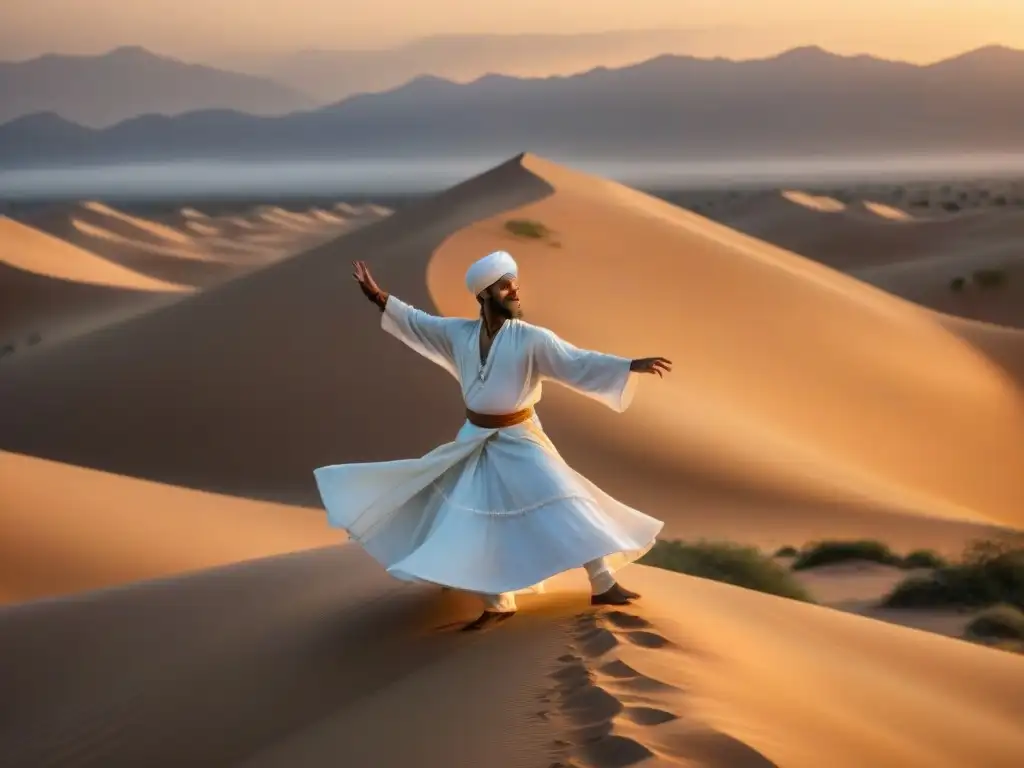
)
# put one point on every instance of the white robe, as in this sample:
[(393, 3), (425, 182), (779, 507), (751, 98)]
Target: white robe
[(495, 510)]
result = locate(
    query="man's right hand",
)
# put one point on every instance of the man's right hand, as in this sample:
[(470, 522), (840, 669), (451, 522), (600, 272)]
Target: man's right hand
[(368, 285)]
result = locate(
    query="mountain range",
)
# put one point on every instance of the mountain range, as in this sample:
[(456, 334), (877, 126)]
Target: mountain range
[(332, 75), (103, 90), (805, 101)]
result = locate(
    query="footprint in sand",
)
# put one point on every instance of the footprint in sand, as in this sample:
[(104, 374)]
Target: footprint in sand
[(647, 639), (624, 620), (593, 697)]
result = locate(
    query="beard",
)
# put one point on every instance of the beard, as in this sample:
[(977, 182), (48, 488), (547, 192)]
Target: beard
[(508, 309)]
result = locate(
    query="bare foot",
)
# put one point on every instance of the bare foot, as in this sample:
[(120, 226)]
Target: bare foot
[(614, 596)]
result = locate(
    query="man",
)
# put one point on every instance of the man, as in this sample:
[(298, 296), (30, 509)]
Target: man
[(497, 511)]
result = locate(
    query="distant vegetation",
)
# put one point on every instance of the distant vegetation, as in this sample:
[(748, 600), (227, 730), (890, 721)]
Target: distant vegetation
[(983, 278), (1000, 622), (9, 348), (987, 574), (821, 553), (527, 228), (786, 551), (988, 278), (923, 558), (830, 552), (726, 562)]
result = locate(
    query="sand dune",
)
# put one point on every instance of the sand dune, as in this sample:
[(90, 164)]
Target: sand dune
[(104, 265), (854, 237), (120, 529), (298, 659), (912, 254), (872, 401), (805, 403), (825, 444), (50, 289), (33, 251), (153, 229)]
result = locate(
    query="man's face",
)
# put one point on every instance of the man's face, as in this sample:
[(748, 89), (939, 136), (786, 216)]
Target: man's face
[(503, 298)]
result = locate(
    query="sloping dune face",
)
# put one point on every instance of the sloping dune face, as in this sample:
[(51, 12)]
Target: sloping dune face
[(788, 375), (30, 250), (109, 529), (296, 660), (50, 289), (938, 260)]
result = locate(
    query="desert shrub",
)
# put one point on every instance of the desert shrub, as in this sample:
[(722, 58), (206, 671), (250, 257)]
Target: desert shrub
[(829, 552), (999, 200), (951, 206), (731, 563), (527, 228), (988, 573), (787, 551), (1000, 622), (988, 278), (957, 283), (33, 339), (923, 558)]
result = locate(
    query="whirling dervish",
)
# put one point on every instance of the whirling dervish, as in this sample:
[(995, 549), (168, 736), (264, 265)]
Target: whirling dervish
[(497, 511)]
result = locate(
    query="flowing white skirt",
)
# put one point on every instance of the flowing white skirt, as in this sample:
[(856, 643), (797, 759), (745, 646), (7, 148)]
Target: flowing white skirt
[(493, 511)]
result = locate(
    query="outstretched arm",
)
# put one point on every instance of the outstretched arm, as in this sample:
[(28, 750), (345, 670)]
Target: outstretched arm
[(369, 286), (605, 378), (425, 333)]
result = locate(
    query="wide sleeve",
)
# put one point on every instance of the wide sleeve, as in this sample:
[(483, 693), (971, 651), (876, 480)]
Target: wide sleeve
[(605, 378), (427, 334)]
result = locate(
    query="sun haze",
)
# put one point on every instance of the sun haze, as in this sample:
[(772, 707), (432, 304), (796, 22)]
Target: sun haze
[(919, 30)]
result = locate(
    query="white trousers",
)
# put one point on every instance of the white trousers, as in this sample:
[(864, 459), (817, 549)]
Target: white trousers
[(601, 580)]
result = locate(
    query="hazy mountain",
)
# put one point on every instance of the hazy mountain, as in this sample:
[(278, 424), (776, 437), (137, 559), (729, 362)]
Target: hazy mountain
[(333, 75), (126, 82), (804, 102)]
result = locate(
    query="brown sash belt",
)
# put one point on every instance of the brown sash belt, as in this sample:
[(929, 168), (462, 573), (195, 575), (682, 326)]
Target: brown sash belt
[(498, 420)]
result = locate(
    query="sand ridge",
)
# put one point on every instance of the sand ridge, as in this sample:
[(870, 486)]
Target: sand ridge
[(91, 264), (914, 253), (867, 367), (34, 251), (699, 673)]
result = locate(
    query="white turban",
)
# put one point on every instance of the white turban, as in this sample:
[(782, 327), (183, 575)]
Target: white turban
[(489, 270)]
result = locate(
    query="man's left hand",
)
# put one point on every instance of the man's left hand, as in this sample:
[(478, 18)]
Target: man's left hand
[(658, 365)]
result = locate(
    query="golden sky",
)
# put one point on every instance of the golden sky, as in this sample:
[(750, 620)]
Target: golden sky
[(916, 30)]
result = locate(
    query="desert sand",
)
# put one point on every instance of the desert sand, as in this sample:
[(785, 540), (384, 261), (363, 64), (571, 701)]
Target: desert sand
[(176, 598), (71, 269), (914, 242)]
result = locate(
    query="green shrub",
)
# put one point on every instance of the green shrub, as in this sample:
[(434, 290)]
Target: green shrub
[(527, 228), (923, 558), (989, 572), (787, 551), (957, 283), (730, 563), (829, 552), (1000, 622)]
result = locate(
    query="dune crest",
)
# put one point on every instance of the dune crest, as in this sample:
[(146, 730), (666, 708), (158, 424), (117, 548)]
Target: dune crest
[(787, 371), (34, 251), (150, 228), (820, 203)]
